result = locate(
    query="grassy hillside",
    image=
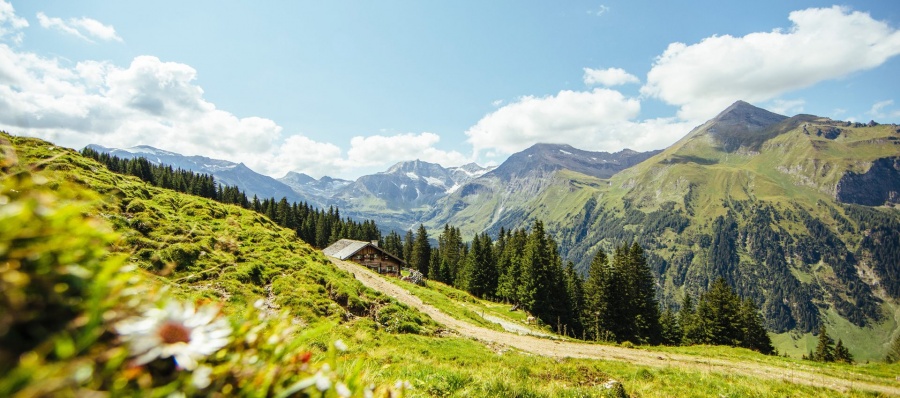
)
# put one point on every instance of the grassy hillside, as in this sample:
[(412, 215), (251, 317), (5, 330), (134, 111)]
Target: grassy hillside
[(768, 222), (760, 208)]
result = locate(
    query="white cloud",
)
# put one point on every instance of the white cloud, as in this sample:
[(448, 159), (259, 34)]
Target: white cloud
[(83, 28), (158, 103), (601, 119), (371, 150), (822, 44), (603, 9), (11, 24), (786, 107), (881, 109), (608, 77)]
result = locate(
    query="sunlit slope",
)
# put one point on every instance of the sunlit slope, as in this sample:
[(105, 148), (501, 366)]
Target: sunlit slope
[(769, 215), (212, 250)]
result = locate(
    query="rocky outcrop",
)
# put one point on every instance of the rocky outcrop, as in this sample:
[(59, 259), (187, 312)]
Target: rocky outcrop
[(877, 186)]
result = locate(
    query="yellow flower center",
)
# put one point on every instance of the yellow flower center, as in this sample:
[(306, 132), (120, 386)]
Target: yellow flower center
[(174, 332)]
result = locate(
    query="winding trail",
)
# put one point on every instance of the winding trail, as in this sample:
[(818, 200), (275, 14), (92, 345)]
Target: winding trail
[(569, 349)]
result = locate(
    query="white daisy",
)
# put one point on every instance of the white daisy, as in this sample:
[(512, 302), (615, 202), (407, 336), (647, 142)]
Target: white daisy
[(340, 345), (179, 331), (342, 390)]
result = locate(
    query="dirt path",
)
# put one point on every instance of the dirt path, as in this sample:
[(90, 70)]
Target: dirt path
[(514, 327), (562, 349)]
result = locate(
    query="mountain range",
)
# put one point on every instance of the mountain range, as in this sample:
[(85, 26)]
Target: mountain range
[(797, 213)]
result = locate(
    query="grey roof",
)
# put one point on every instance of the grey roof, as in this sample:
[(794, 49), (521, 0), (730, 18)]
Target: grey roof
[(346, 248)]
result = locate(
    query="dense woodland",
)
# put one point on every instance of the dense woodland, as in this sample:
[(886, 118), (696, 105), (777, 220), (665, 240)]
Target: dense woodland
[(617, 301)]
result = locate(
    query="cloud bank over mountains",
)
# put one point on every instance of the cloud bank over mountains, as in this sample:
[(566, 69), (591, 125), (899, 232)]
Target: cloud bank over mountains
[(157, 102)]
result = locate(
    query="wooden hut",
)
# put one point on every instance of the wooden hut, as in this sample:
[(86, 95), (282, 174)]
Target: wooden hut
[(367, 254)]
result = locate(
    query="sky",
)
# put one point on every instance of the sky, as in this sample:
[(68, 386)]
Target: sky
[(347, 88)]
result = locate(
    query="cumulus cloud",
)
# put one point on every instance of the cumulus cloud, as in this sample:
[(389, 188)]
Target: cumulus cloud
[(369, 151), (786, 107), (882, 109), (158, 103), (83, 28), (608, 77), (822, 44), (11, 24), (601, 119)]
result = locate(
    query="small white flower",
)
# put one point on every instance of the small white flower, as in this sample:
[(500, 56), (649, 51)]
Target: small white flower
[(340, 345), (323, 383), (342, 390), (200, 377), (178, 331)]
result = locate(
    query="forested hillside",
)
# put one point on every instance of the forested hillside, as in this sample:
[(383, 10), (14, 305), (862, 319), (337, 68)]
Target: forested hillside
[(765, 216)]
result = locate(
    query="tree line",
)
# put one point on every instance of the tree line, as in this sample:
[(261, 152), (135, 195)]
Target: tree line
[(318, 227), (617, 301)]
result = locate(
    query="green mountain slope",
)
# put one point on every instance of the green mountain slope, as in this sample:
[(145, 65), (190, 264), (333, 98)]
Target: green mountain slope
[(795, 212), (754, 198)]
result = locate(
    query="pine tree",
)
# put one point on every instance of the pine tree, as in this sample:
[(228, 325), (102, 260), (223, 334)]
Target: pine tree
[(575, 293), (601, 304), (481, 269), (510, 266), (825, 348), (754, 335), (408, 240), (893, 354), (394, 244), (670, 329), (535, 258), (421, 251), (841, 353), (642, 297), (687, 315)]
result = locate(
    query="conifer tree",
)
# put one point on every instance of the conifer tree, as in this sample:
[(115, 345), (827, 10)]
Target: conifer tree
[(642, 302), (841, 353), (754, 335), (408, 242), (510, 263), (421, 251), (893, 354), (394, 244), (481, 270), (670, 329), (575, 293), (602, 303), (718, 316), (825, 348), (687, 320)]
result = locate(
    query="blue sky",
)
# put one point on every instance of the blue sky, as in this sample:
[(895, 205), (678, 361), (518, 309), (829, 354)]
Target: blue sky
[(345, 88)]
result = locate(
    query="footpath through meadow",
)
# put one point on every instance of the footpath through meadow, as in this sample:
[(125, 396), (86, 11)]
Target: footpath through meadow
[(571, 349)]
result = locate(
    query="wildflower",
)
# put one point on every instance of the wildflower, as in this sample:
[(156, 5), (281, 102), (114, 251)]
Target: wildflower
[(178, 331), (200, 377), (340, 345), (342, 390), (323, 383)]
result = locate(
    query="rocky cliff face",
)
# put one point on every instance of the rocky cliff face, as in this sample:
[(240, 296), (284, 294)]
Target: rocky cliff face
[(877, 186)]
